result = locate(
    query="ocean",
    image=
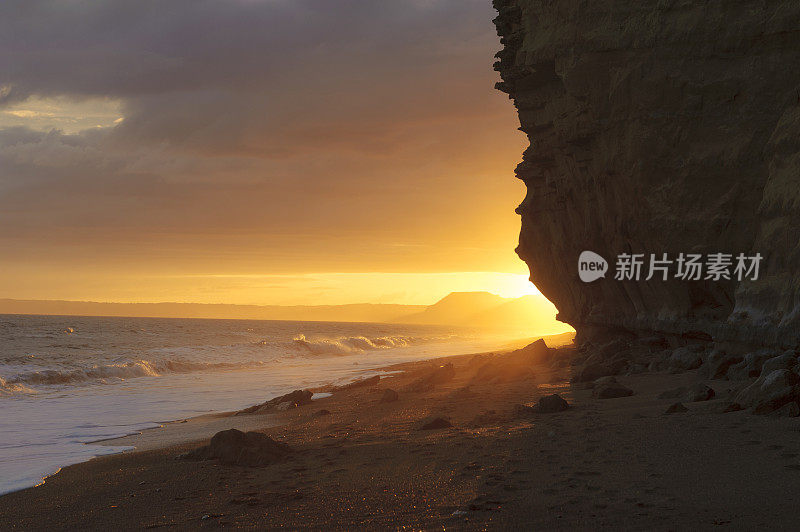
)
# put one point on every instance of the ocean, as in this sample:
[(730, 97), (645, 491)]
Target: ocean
[(66, 381)]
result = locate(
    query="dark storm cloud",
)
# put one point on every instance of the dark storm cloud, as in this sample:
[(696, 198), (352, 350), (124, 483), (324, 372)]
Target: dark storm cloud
[(135, 47), (284, 117), (226, 73)]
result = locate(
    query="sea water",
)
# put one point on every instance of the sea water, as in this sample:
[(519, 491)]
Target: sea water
[(68, 381)]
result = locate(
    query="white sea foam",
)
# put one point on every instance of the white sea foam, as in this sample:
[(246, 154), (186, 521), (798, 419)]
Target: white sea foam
[(109, 372), (356, 344)]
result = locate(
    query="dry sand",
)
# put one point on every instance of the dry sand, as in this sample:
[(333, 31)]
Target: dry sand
[(614, 463)]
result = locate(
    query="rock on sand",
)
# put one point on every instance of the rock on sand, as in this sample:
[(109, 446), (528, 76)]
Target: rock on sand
[(234, 447)]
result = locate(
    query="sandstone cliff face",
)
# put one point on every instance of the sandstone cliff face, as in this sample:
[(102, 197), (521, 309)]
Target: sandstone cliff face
[(660, 126)]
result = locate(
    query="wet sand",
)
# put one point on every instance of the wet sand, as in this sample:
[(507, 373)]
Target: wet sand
[(613, 463)]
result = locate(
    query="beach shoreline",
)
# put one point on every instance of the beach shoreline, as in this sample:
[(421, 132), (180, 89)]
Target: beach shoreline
[(87, 380), (616, 462), (197, 428)]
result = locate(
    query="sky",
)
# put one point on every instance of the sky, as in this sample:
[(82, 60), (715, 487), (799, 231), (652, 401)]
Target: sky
[(255, 151)]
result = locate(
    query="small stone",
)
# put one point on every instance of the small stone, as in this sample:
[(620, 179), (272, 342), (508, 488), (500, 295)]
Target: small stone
[(550, 404)]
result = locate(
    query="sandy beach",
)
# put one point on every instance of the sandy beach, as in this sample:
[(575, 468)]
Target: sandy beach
[(603, 463)]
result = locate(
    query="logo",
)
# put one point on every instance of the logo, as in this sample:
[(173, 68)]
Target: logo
[(591, 266), (685, 266)]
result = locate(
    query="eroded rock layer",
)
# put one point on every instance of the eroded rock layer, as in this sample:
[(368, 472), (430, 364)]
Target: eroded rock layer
[(660, 127)]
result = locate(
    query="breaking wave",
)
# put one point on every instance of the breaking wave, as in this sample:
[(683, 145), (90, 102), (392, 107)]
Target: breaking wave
[(11, 388), (351, 344), (102, 373), (23, 374)]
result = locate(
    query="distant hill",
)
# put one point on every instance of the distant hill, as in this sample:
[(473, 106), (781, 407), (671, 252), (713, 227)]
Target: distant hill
[(527, 315), (532, 313), (455, 308)]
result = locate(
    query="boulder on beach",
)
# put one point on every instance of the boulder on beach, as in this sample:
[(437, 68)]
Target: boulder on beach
[(549, 404), (534, 353), (234, 447)]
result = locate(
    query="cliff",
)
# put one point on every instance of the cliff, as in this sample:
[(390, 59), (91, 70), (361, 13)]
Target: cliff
[(660, 127)]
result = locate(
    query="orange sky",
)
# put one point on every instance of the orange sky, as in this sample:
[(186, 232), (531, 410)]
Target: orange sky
[(256, 152)]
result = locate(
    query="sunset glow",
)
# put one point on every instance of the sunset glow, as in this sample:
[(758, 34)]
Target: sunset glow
[(311, 187)]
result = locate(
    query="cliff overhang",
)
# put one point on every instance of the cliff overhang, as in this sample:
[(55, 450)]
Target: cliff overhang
[(659, 127)]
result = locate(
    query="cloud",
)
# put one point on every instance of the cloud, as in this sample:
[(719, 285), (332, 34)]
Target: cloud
[(194, 71), (290, 134)]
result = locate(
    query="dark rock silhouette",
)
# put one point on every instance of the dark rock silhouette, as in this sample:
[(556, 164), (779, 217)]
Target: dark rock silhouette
[(534, 353), (234, 447), (550, 404), (644, 141)]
